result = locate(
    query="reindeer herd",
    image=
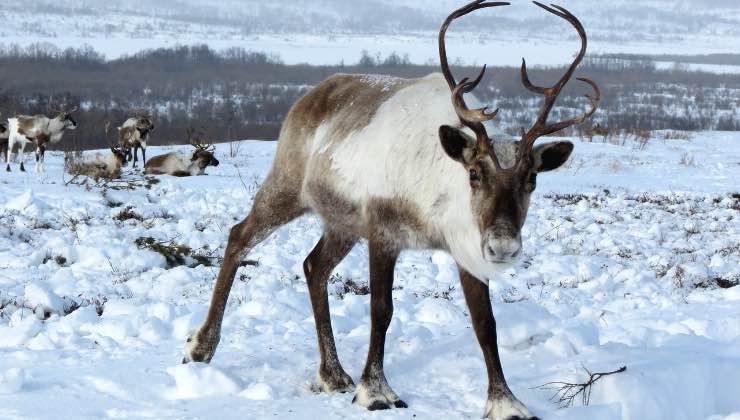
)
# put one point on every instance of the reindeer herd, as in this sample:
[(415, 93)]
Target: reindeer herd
[(39, 131)]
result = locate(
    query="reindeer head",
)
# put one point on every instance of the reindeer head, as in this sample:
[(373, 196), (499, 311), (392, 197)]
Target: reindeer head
[(144, 123), (65, 117), (500, 195), (119, 154), (203, 153)]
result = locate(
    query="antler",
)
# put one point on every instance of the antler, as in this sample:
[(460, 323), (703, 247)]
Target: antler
[(471, 118), (198, 141), (107, 137), (190, 131), (63, 109), (541, 127), (142, 113)]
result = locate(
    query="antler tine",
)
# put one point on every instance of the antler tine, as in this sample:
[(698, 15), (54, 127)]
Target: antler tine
[(541, 127), (477, 115), (190, 131), (474, 118), (470, 7), (106, 127)]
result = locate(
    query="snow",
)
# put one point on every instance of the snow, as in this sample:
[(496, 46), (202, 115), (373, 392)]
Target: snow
[(623, 249), (330, 32)]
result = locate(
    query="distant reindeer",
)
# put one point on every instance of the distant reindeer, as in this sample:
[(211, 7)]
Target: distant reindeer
[(596, 130), (4, 134), (179, 164), (133, 135), (396, 162), (39, 130), (101, 165)]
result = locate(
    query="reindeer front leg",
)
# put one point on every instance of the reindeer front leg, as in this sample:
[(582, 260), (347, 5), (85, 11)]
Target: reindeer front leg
[(502, 404), (40, 152), (373, 391), (7, 156)]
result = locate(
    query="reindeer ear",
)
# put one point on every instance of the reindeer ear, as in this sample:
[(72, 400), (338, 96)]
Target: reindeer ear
[(457, 145), (551, 156)]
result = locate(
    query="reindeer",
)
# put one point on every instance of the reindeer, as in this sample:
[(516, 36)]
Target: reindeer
[(133, 134), (396, 162), (4, 134), (40, 130), (178, 164), (99, 166), (596, 130)]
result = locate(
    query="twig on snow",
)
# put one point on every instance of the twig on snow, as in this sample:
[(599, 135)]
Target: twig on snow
[(566, 392)]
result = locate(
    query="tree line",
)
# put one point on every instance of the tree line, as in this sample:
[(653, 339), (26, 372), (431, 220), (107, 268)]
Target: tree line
[(238, 94)]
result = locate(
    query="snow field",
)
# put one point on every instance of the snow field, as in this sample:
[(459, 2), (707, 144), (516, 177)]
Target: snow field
[(627, 253)]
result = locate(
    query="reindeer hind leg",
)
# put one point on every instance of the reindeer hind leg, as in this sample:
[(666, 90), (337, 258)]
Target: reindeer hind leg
[(7, 156), (21, 156), (328, 252)]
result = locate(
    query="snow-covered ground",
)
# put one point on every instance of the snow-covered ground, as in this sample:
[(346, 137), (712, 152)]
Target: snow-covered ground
[(329, 32), (420, 48), (625, 250)]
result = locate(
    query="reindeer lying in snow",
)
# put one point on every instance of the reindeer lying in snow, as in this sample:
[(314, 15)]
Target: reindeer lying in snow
[(178, 164), (133, 134), (100, 166), (40, 130), (405, 164)]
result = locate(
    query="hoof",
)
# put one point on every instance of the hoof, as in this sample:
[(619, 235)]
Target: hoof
[(378, 405), (508, 408), (400, 404), (382, 405), (377, 395), (336, 381), (200, 347)]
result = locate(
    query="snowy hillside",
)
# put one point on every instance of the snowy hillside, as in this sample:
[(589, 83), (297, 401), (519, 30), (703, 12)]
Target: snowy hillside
[(332, 31), (630, 255)]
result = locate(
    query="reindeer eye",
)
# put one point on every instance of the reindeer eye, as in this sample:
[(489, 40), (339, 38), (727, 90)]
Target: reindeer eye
[(474, 175)]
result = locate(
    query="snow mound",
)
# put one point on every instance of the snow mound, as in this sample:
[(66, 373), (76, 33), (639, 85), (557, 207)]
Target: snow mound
[(42, 300), (197, 380), (28, 204), (12, 380)]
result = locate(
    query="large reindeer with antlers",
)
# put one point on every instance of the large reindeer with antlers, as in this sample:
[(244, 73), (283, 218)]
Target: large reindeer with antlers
[(179, 164), (397, 162), (40, 130)]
